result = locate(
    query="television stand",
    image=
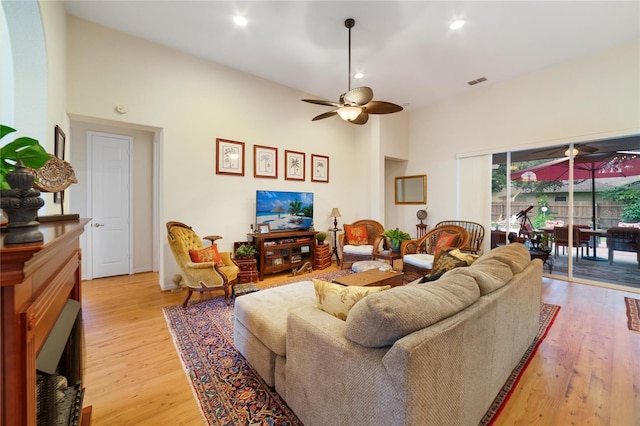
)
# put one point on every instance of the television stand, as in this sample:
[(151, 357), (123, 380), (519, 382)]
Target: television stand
[(283, 251)]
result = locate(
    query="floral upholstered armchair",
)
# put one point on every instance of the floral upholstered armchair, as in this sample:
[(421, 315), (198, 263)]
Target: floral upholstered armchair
[(203, 268), (419, 256), (359, 241)]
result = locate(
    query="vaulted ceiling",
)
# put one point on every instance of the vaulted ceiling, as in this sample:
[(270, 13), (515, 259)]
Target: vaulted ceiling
[(405, 49)]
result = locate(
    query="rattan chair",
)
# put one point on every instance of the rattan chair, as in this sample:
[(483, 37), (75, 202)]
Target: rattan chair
[(476, 234), (205, 276), (354, 253), (419, 256)]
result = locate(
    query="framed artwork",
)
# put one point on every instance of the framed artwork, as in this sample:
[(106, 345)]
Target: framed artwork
[(59, 140), (265, 162), (294, 165), (320, 168), (229, 157), (264, 228)]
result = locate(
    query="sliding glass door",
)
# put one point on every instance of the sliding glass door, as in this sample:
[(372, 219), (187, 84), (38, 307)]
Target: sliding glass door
[(563, 200)]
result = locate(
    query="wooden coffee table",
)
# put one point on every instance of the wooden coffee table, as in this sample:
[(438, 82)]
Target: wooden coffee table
[(372, 277)]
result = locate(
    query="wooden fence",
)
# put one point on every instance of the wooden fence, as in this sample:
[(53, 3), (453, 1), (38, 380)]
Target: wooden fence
[(607, 212)]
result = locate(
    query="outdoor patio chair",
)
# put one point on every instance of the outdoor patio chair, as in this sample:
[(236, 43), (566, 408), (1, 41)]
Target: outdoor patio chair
[(561, 239)]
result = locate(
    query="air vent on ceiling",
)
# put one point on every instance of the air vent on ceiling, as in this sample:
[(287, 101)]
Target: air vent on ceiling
[(476, 81)]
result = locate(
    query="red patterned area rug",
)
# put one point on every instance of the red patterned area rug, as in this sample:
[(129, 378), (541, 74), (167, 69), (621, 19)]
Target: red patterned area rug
[(230, 392), (633, 314)]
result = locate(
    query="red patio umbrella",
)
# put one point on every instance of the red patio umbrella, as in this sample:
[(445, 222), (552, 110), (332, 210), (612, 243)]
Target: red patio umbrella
[(587, 166)]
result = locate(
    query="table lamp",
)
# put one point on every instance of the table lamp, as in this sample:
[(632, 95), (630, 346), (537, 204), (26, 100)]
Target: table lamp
[(335, 214)]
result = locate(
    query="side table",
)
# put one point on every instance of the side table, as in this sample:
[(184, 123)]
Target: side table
[(248, 271), (387, 255)]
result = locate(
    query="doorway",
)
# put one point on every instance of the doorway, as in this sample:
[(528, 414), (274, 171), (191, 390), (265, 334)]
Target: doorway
[(109, 203)]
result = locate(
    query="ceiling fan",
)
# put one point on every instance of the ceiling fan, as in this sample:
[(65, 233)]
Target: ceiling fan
[(356, 104)]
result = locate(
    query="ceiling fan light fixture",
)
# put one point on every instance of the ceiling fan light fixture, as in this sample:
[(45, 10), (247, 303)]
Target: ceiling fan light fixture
[(457, 24), (569, 152), (349, 113)]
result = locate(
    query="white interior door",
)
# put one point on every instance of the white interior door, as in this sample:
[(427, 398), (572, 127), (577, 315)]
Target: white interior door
[(109, 201)]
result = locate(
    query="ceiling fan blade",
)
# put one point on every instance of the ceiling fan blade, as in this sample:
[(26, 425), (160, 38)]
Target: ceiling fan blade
[(586, 148), (358, 96), (380, 107), (321, 102), (325, 115), (361, 119)]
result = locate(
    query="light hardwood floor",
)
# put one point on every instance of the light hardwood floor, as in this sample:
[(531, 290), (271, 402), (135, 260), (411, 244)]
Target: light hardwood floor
[(586, 372)]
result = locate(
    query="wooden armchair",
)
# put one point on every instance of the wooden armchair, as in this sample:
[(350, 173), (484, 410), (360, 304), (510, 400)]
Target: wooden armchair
[(370, 240), (476, 234), (419, 256), (205, 275), (561, 239)]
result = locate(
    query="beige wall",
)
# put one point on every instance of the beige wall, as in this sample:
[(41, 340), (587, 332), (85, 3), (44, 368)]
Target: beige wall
[(194, 102), (587, 99)]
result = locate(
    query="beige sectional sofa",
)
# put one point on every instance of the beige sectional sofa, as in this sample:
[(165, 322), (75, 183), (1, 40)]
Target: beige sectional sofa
[(435, 353)]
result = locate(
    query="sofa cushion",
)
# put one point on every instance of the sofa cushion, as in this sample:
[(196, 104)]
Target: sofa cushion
[(365, 249), (421, 260), (264, 313), (337, 300), (516, 255), (382, 318), (490, 275), (356, 234)]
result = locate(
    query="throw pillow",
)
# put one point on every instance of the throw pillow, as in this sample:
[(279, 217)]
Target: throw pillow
[(337, 300), (356, 235), (207, 254), (467, 257), (444, 240), (445, 262)]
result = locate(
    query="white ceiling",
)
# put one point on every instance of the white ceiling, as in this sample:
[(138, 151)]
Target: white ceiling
[(405, 48)]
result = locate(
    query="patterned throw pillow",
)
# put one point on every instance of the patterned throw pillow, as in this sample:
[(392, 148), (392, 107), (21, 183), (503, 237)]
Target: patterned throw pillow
[(356, 235), (337, 300), (467, 257), (208, 254), (444, 240), (446, 262)]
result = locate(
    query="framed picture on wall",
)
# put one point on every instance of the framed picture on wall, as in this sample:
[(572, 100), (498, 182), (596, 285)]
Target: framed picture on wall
[(60, 140), (265, 162), (320, 168), (294, 165), (229, 157)]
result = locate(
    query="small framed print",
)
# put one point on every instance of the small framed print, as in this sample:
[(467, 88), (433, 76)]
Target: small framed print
[(320, 168), (59, 140), (229, 157), (265, 162), (294, 165), (264, 228)]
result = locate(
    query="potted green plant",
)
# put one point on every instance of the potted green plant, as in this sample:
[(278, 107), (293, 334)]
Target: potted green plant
[(246, 251), (27, 150), (320, 237), (396, 237)]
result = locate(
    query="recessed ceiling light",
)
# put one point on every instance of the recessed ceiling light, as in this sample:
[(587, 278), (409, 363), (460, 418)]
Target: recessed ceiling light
[(458, 23), (358, 75), (240, 20)]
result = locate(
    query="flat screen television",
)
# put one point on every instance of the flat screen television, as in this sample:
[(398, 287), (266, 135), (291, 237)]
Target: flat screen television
[(284, 211)]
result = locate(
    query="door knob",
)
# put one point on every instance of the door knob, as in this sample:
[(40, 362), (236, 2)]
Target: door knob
[(98, 225)]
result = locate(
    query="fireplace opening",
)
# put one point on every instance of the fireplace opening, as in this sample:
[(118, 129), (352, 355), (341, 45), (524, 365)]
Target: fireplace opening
[(59, 390)]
